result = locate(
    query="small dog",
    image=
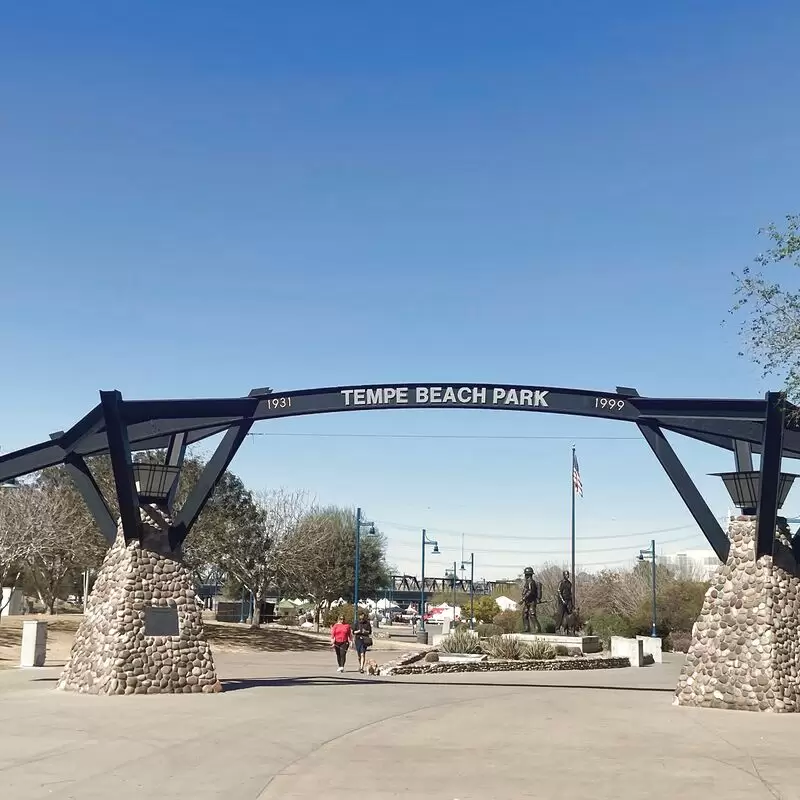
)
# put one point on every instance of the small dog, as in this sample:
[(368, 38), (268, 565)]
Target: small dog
[(372, 667)]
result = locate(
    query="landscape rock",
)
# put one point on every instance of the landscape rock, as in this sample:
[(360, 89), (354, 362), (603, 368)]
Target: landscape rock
[(111, 653), (745, 649), (508, 666)]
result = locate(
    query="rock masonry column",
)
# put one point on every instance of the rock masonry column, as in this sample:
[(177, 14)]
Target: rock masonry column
[(142, 589), (744, 650)]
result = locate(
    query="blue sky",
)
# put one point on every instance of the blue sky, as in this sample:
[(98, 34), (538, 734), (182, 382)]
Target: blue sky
[(196, 202)]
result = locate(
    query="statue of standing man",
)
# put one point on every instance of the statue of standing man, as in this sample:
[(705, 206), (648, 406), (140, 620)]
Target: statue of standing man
[(564, 604), (531, 595)]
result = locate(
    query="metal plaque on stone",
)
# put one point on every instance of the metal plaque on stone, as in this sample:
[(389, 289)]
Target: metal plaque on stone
[(161, 621)]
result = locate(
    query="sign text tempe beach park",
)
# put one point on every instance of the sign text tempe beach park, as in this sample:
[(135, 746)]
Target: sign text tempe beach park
[(449, 395)]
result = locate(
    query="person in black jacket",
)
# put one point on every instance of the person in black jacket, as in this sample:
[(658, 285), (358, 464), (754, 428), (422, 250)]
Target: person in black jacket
[(362, 633)]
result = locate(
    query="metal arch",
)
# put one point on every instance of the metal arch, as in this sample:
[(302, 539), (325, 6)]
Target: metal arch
[(150, 421), (118, 427)]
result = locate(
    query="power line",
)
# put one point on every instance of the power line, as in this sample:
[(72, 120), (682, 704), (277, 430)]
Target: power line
[(558, 552), (579, 564), (449, 531), (441, 436)]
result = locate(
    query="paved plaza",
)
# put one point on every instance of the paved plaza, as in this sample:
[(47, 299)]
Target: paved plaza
[(289, 727)]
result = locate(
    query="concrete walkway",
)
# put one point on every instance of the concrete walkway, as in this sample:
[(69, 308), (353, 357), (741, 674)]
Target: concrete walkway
[(289, 726)]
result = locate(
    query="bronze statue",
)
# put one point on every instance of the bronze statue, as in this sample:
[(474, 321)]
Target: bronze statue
[(531, 596), (565, 607)]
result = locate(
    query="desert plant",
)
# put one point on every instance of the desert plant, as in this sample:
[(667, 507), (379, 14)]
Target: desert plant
[(460, 641), (432, 657), (506, 647), (537, 650), (678, 641), (607, 625), (485, 630), (485, 608), (561, 650), (509, 621), (332, 614)]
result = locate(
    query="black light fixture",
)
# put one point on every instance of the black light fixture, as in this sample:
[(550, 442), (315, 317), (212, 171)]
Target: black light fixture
[(154, 481), (744, 488), (436, 549)]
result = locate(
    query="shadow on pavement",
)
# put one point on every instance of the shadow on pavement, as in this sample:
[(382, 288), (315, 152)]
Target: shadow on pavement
[(261, 639), (236, 684)]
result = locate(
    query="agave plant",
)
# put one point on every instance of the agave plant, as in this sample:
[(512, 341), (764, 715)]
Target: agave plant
[(460, 641), (537, 650), (506, 647)]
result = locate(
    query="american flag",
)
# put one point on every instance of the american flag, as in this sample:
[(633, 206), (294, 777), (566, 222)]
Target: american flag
[(577, 484)]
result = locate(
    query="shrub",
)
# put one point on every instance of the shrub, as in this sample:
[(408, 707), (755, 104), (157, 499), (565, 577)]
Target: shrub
[(537, 650), (332, 614), (607, 625), (679, 604), (678, 641), (432, 657), (506, 647), (485, 630), (460, 642), (509, 621), (561, 650), (484, 607)]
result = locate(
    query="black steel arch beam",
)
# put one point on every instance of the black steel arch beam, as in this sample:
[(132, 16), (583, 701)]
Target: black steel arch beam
[(85, 483), (119, 452), (743, 455), (176, 452), (83, 480), (689, 493), (30, 459), (771, 449), (209, 478), (725, 442)]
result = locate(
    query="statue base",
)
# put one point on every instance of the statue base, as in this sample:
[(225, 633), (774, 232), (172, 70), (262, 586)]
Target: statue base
[(745, 650), (142, 632), (586, 644)]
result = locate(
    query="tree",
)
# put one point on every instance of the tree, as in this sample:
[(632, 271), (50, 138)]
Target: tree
[(770, 327), (14, 536), (257, 540), (330, 572), (61, 541), (486, 609)]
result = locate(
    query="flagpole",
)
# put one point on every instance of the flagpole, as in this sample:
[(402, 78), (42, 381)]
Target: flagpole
[(572, 482)]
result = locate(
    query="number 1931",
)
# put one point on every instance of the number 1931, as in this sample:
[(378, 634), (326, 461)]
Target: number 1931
[(279, 402)]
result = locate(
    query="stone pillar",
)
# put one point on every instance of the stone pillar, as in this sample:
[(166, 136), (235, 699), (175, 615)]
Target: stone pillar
[(142, 632), (744, 652)]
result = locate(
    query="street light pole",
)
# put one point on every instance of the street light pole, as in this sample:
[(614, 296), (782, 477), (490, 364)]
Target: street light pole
[(455, 575), (653, 559), (650, 555), (359, 524), (358, 565), (425, 541), (471, 589)]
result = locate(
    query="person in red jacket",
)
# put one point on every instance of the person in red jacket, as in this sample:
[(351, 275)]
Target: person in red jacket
[(341, 639)]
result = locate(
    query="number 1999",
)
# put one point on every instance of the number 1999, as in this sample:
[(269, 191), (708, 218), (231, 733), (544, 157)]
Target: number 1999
[(610, 403)]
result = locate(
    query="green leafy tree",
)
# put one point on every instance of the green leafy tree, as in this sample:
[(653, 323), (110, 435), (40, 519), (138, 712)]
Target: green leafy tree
[(330, 573), (770, 309), (486, 609)]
